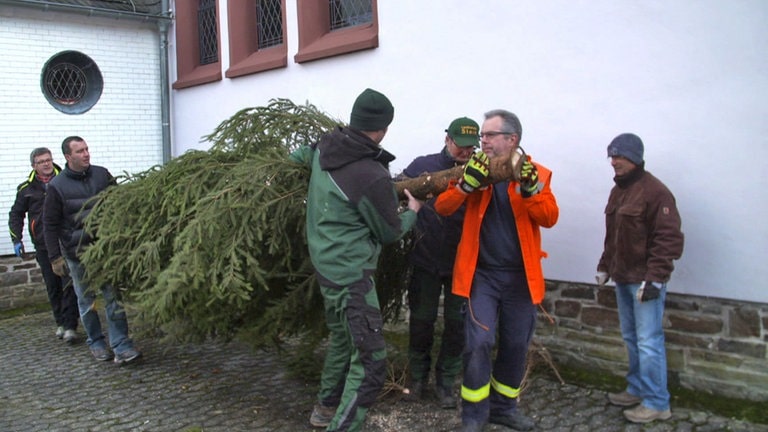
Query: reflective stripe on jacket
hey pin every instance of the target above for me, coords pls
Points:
(539, 210)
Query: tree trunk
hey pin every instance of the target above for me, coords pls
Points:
(428, 185)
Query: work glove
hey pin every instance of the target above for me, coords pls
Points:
(18, 249)
(59, 266)
(475, 172)
(529, 178)
(648, 291)
(601, 278)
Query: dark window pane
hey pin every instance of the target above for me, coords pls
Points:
(349, 13)
(269, 15)
(206, 27)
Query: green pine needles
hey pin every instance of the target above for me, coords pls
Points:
(213, 243)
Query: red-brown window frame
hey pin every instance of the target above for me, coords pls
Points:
(189, 71)
(316, 41)
(245, 57)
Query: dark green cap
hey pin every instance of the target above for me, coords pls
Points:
(465, 132)
(372, 111)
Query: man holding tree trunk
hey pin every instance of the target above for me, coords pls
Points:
(434, 250)
(498, 269)
(352, 210)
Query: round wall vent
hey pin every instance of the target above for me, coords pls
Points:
(71, 82)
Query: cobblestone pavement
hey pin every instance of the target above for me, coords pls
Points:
(47, 385)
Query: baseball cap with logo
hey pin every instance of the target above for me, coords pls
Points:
(465, 132)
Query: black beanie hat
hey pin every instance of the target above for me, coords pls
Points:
(628, 146)
(372, 111)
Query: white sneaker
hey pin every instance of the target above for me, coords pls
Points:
(60, 332)
(70, 336)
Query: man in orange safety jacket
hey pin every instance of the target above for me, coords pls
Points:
(498, 268)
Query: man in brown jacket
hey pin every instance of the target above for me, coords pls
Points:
(642, 238)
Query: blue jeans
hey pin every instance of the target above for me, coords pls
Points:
(117, 323)
(644, 337)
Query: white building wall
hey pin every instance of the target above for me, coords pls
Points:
(689, 77)
(123, 129)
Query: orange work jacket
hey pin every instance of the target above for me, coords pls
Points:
(539, 210)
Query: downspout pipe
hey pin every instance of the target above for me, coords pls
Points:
(165, 88)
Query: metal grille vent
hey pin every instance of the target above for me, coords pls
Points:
(71, 82)
(66, 83)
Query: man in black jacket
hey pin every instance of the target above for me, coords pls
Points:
(30, 196)
(67, 205)
(434, 251)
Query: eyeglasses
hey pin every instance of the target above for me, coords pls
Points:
(492, 134)
(44, 161)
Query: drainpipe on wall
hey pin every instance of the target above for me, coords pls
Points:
(165, 88)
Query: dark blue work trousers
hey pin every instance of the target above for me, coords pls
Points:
(499, 301)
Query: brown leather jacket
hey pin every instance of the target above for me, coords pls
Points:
(642, 230)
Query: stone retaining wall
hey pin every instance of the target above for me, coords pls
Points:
(21, 282)
(715, 345)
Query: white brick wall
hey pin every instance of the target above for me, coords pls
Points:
(123, 129)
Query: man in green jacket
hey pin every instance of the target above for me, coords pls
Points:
(352, 210)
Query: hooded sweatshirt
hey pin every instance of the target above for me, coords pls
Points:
(352, 206)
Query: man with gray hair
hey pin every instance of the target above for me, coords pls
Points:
(30, 196)
(498, 269)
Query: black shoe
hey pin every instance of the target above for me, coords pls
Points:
(445, 397)
(516, 421)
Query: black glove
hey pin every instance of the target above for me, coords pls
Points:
(475, 172)
(18, 249)
(648, 291)
(529, 178)
(59, 267)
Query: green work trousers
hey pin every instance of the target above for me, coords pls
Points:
(424, 292)
(355, 362)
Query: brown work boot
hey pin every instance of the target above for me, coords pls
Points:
(643, 414)
(321, 416)
(624, 399)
